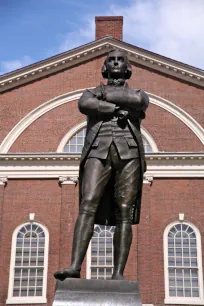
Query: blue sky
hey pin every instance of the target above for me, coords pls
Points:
(33, 30)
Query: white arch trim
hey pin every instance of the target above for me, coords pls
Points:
(184, 300)
(75, 95)
(82, 125)
(35, 299)
(149, 139)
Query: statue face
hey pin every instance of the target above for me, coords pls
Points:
(116, 65)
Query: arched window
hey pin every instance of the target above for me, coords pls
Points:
(28, 268)
(100, 253)
(146, 144)
(75, 144)
(183, 264)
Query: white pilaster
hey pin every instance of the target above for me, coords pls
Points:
(68, 180)
(3, 180)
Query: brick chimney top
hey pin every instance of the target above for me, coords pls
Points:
(109, 25)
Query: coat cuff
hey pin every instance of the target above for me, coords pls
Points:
(106, 107)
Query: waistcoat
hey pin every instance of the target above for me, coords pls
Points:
(112, 131)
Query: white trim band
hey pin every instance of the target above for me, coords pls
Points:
(159, 165)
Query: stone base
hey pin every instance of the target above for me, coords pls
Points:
(78, 292)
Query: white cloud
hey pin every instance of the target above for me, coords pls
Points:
(169, 27)
(81, 36)
(173, 28)
(7, 66)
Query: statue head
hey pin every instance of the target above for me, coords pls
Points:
(116, 66)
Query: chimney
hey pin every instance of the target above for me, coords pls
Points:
(109, 25)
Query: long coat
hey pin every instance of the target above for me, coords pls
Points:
(96, 109)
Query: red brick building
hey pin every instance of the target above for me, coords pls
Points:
(41, 136)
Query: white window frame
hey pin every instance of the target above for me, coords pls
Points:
(183, 300)
(27, 299)
(147, 136)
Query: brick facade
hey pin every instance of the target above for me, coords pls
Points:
(56, 206)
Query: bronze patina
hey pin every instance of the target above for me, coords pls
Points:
(112, 164)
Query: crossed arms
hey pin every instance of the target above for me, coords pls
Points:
(112, 101)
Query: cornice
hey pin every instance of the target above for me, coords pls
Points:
(94, 49)
(45, 157)
(76, 157)
(52, 165)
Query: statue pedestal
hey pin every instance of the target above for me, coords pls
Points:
(78, 292)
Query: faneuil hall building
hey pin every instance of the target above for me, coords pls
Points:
(41, 138)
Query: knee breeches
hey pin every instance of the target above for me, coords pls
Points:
(97, 173)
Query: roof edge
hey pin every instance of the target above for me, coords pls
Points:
(96, 48)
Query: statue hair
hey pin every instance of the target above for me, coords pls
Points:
(129, 67)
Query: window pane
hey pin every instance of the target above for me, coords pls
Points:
(39, 282)
(171, 261)
(23, 292)
(179, 272)
(16, 292)
(180, 292)
(171, 252)
(172, 292)
(195, 293)
(194, 272)
(194, 282)
(94, 273)
(178, 252)
(187, 272)
(187, 292)
(73, 141)
(39, 292)
(186, 262)
(170, 242)
(186, 242)
(31, 292)
(186, 252)
(193, 262)
(193, 252)
(187, 283)
(178, 262)
(172, 282)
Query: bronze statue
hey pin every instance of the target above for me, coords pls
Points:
(112, 164)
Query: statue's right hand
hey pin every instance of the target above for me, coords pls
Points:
(99, 95)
